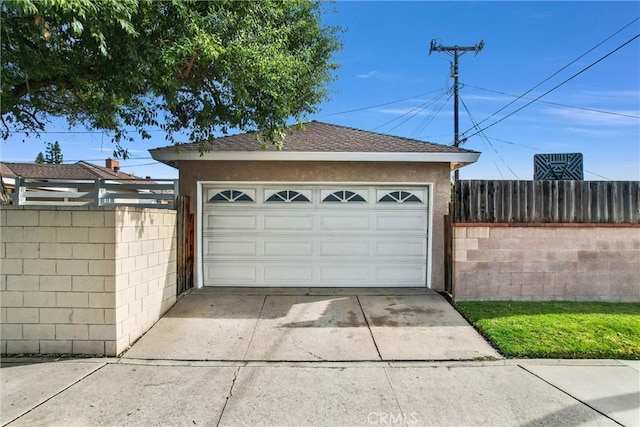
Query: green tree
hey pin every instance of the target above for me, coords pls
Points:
(197, 67)
(53, 153)
(40, 158)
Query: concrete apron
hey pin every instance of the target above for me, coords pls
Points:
(312, 324)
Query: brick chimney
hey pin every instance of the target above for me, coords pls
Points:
(112, 164)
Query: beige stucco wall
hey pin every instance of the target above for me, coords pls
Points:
(569, 262)
(83, 280)
(377, 172)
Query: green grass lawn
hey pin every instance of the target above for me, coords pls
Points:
(558, 329)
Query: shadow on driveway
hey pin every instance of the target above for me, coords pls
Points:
(310, 324)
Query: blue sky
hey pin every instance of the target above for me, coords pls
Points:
(386, 58)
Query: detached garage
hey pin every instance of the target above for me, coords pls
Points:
(336, 207)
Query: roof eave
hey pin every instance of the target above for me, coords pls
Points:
(457, 160)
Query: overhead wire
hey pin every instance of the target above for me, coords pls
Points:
(594, 110)
(431, 116)
(484, 138)
(412, 112)
(384, 104)
(552, 89)
(559, 71)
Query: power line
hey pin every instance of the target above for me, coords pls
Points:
(416, 109)
(594, 110)
(598, 175)
(555, 87)
(483, 135)
(557, 72)
(380, 105)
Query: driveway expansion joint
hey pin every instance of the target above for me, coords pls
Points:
(57, 393)
(570, 395)
(369, 327)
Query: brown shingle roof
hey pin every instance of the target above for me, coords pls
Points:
(76, 171)
(325, 137)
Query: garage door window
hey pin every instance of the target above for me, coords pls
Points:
(344, 196)
(230, 196)
(399, 197)
(287, 196)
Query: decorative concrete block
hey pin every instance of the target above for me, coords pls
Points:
(23, 347)
(12, 234)
(22, 250)
(72, 267)
(72, 235)
(102, 300)
(55, 283)
(101, 268)
(88, 283)
(102, 235)
(478, 232)
(87, 219)
(55, 251)
(39, 234)
(40, 267)
(39, 332)
(92, 251)
(72, 299)
(56, 315)
(23, 315)
(39, 299)
(88, 347)
(11, 332)
(109, 251)
(88, 316)
(55, 218)
(11, 299)
(72, 332)
(102, 332)
(10, 266)
(22, 218)
(55, 347)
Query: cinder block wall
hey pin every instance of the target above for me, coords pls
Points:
(64, 286)
(573, 262)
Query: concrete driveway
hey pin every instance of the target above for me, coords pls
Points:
(312, 324)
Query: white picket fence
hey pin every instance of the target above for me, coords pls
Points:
(156, 193)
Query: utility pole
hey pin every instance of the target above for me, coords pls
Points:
(455, 51)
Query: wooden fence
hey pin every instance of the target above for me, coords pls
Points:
(185, 252)
(613, 202)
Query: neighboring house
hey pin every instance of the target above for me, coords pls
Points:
(335, 207)
(71, 176)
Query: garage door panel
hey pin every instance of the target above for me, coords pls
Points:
(401, 248)
(288, 222)
(231, 247)
(344, 273)
(231, 222)
(405, 222)
(344, 249)
(408, 273)
(230, 273)
(332, 222)
(291, 248)
(288, 273)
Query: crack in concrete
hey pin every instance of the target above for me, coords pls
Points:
(226, 401)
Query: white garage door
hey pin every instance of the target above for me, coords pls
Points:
(314, 236)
